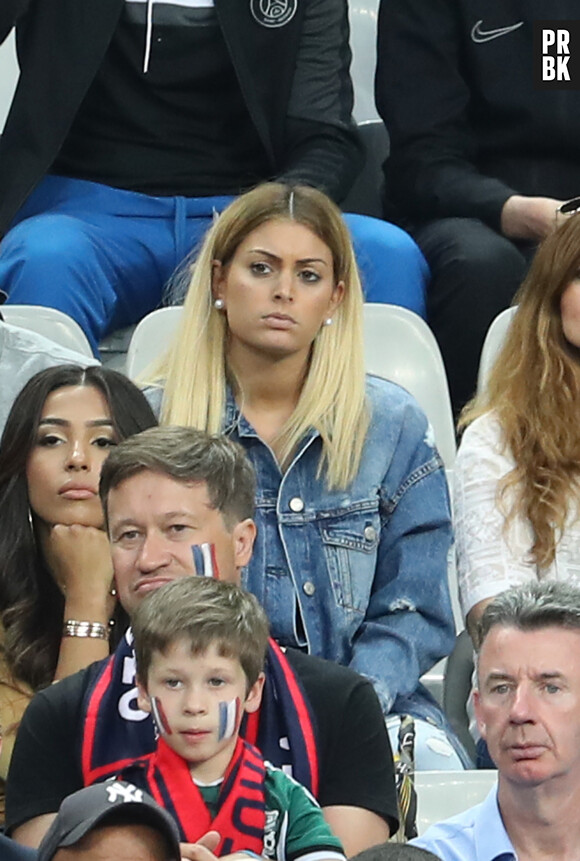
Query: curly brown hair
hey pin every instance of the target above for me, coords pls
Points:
(534, 389)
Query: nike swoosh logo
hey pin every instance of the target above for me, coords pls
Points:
(478, 35)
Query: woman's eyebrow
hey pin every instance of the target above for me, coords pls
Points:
(273, 256)
(54, 420)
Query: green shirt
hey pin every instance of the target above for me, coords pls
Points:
(295, 827)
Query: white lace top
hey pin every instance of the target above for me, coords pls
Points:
(489, 559)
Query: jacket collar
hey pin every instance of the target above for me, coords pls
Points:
(234, 420)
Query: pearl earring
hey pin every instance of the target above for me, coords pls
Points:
(219, 304)
(328, 321)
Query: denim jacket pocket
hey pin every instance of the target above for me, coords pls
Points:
(350, 548)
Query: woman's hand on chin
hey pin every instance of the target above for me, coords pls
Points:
(80, 560)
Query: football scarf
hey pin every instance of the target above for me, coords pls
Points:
(284, 718)
(116, 731)
(241, 815)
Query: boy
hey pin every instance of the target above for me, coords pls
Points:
(200, 645)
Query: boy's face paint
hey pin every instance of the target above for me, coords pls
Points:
(159, 716)
(205, 560)
(229, 718)
(204, 697)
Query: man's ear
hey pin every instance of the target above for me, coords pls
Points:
(143, 700)
(244, 535)
(478, 714)
(254, 698)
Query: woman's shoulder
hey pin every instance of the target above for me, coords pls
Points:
(485, 432)
(483, 452)
(398, 430)
(392, 407)
(389, 397)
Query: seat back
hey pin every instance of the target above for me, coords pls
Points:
(363, 16)
(400, 346)
(492, 345)
(50, 323)
(152, 336)
(441, 794)
(365, 196)
(8, 76)
(457, 689)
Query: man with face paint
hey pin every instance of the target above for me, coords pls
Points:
(179, 502)
(200, 647)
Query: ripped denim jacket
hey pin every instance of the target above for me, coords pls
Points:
(358, 576)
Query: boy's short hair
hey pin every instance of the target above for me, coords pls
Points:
(205, 612)
(187, 455)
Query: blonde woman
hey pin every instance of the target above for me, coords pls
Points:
(352, 511)
(518, 467)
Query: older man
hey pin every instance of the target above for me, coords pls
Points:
(166, 493)
(527, 706)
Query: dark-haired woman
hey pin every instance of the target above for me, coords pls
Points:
(57, 602)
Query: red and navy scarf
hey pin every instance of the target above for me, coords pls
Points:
(241, 814)
(116, 731)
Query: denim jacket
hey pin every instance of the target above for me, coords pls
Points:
(358, 576)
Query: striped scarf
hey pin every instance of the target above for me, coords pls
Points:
(116, 732)
(241, 815)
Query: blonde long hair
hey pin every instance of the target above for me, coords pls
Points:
(194, 371)
(534, 388)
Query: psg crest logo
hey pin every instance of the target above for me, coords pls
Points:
(273, 13)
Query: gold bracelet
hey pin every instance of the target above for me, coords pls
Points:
(94, 630)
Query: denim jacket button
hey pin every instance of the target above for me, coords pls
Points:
(370, 533)
(297, 504)
(309, 588)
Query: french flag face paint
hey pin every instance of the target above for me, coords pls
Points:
(204, 560)
(159, 716)
(229, 718)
